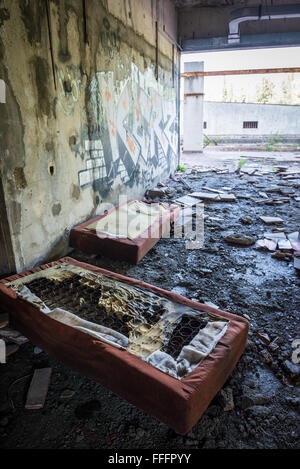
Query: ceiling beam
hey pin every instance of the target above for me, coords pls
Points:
(252, 71)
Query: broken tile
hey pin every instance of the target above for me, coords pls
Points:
(217, 191)
(297, 262)
(295, 236)
(187, 200)
(266, 244)
(295, 245)
(264, 195)
(272, 220)
(204, 195)
(226, 197)
(284, 245)
(38, 388)
(277, 235)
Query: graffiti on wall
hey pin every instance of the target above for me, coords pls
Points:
(69, 88)
(135, 135)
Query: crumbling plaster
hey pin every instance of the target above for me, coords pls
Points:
(89, 113)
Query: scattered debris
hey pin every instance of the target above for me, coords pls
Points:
(184, 183)
(187, 200)
(285, 256)
(67, 394)
(284, 245)
(4, 319)
(266, 244)
(267, 357)
(276, 235)
(240, 239)
(297, 260)
(263, 336)
(227, 399)
(10, 335)
(214, 197)
(38, 388)
(156, 193)
(246, 220)
(88, 409)
(204, 195)
(272, 220)
(10, 349)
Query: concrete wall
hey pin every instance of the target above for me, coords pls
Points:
(227, 119)
(90, 111)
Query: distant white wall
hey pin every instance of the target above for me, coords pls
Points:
(228, 118)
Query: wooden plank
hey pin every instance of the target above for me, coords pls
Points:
(253, 71)
(38, 388)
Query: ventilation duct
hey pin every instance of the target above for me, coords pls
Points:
(256, 14)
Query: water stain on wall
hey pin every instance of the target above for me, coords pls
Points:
(42, 73)
(19, 177)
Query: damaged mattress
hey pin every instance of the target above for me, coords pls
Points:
(162, 352)
(125, 232)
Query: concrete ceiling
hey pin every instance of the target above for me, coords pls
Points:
(209, 3)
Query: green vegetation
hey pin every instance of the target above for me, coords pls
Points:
(181, 168)
(273, 140)
(242, 161)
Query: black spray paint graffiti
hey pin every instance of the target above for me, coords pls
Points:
(110, 40)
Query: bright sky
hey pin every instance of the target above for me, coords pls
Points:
(243, 85)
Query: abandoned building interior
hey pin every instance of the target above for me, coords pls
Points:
(149, 239)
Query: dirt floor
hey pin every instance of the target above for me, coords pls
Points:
(79, 413)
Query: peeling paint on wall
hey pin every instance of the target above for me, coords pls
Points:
(85, 116)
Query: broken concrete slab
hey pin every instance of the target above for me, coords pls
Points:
(187, 200)
(295, 236)
(275, 235)
(226, 197)
(284, 245)
(240, 239)
(266, 244)
(271, 220)
(204, 195)
(210, 189)
(297, 260)
(38, 388)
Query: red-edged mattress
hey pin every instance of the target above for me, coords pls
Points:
(132, 251)
(177, 402)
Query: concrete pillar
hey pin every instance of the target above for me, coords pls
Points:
(193, 108)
